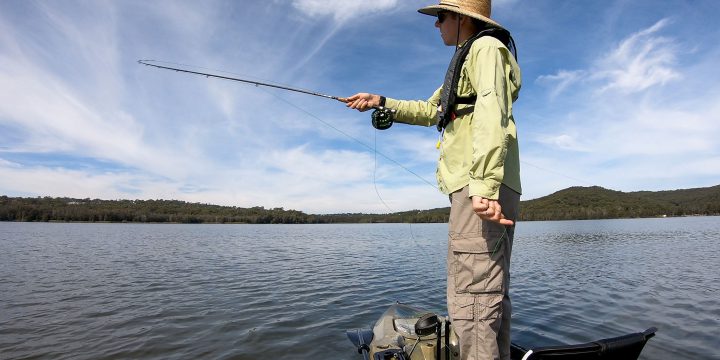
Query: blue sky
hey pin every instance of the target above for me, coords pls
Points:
(623, 94)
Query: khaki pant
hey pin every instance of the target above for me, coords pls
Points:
(478, 266)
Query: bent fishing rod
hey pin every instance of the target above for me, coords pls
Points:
(382, 117)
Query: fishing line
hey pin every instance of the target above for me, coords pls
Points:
(154, 63)
(360, 142)
(423, 249)
(375, 172)
(375, 152)
(557, 173)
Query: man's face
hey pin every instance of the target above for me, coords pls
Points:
(447, 22)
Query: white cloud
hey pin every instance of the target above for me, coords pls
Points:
(343, 10)
(8, 164)
(302, 164)
(325, 182)
(563, 141)
(56, 118)
(639, 62)
(60, 182)
(661, 129)
(562, 80)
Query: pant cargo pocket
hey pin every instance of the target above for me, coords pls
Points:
(477, 262)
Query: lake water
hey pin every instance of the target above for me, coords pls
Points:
(135, 291)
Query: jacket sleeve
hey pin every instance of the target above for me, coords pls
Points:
(489, 76)
(416, 112)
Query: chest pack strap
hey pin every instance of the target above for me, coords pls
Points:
(448, 97)
(465, 100)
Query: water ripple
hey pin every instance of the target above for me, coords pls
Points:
(119, 291)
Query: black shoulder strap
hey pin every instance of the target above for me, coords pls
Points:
(449, 98)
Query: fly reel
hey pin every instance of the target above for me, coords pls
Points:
(382, 118)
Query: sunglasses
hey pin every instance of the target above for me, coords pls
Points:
(442, 15)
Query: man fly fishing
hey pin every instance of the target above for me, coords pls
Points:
(478, 167)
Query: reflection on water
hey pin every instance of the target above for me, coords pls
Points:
(110, 291)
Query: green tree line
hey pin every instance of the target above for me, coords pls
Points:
(174, 211)
(569, 204)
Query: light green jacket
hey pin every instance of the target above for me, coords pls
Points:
(479, 148)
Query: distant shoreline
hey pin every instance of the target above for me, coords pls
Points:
(575, 203)
(317, 223)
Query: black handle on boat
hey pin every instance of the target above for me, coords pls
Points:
(438, 340)
(361, 339)
(447, 338)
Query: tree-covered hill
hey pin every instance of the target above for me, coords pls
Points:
(598, 203)
(568, 204)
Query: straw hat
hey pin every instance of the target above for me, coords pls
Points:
(477, 9)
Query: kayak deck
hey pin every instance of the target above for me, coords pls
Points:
(407, 333)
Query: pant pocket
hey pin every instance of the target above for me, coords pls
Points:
(476, 307)
(489, 306)
(477, 263)
(462, 307)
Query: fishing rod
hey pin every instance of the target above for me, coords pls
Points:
(382, 117)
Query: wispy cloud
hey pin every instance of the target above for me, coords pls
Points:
(562, 80)
(564, 142)
(342, 10)
(640, 61)
(62, 115)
